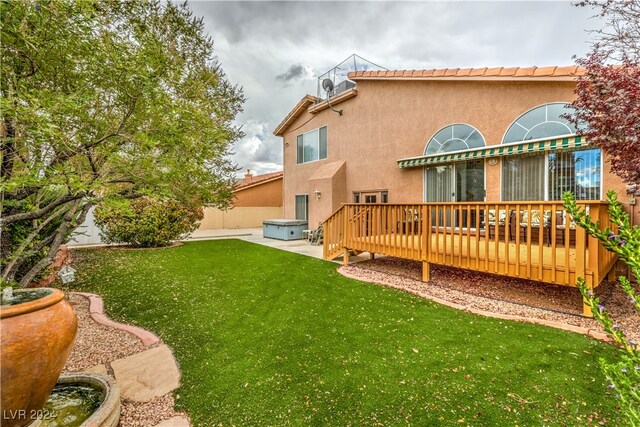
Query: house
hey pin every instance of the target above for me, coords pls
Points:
(463, 167)
(255, 198)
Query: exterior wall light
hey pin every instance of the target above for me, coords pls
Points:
(318, 194)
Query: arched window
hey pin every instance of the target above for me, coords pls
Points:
(545, 121)
(454, 138)
(547, 175)
(461, 181)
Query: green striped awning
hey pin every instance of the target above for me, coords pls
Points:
(568, 143)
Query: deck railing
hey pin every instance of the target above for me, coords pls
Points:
(529, 240)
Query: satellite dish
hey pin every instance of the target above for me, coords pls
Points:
(327, 85)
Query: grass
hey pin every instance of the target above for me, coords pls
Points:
(267, 337)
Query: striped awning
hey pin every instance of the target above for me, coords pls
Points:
(567, 143)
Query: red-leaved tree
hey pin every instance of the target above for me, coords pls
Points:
(608, 94)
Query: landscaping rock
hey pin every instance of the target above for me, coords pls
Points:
(98, 369)
(95, 343)
(500, 297)
(175, 422)
(147, 375)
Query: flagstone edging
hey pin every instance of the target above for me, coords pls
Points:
(96, 311)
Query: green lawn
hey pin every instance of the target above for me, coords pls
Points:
(267, 337)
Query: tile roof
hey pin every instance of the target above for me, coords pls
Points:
(335, 100)
(258, 179)
(566, 72)
(300, 108)
(314, 105)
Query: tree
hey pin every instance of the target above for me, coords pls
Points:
(608, 94)
(104, 99)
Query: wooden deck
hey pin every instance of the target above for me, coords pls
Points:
(535, 241)
(471, 253)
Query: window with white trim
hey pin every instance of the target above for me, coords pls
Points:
(544, 121)
(454, 138)
(312, 145)
(460, 181)
(547, 176)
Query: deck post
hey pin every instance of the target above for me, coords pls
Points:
(612, 276)
(345, 256)
(426, 271)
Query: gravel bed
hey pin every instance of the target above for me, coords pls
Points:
(98, 344)
(144, 414)
(498, 294)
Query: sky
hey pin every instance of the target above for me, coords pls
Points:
(275, 51)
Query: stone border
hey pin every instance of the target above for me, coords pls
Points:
(593, 333)
(96, 311)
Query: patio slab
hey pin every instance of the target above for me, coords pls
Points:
(223, 233)
(254, 235)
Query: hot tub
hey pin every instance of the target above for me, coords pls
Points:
(283, 229)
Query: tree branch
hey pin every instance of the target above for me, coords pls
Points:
(61, 234)
(18, 254)
(40, 212)
(11, 276)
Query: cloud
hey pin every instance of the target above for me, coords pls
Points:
(274, 50)
(296, 72)
(259, 150)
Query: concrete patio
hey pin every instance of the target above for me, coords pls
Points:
(254, 235)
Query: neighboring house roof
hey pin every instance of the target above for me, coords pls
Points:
(252, 181)
(498, 73)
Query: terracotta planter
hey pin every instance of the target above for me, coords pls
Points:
(36, 339)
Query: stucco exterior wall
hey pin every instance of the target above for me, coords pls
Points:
(263, 194)
(238, 217)
(251, 205)
(330, 181)
(389, 120)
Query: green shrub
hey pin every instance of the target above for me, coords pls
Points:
(146, 222)
(623, 375)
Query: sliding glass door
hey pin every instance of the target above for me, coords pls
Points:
(439, 184)
(523, 178)
(548, 176)
(469, 181)
(458, 182)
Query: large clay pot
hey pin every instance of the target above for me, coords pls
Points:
(36, 338)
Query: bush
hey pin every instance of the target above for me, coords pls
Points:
(623, 375)
(146, 222)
